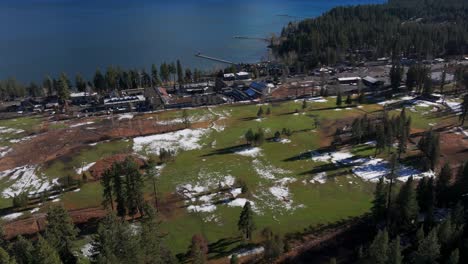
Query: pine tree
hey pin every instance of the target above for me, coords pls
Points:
(249, 136)
(380, 139)
(268, 111)
(234, 259)
(304, 105)
(180, 73)
(116, 242)
(443, 186)
(246, 223)
(379, 204)
(60, 231)
(119, 190)
(63, 91)
(198, 249)
(339, 100)
(106, 182)
(45, 253)
(428, 250)
(260, 112)
(133, 187)
(454, 257)
(411, 78)
(394, 252)
(348, 100)
(407, 205)
(99, 82)
(378, 250)
(22, 249)
(5, 257)
(154, 75)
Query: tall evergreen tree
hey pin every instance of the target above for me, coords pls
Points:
(45, 253)
(198, 249)
(180, 73)
(406, 205)
(60, 232)
(428, 250)
(154, 75)
(339, 99)
(379, 204)
(394, 252)
(22, 249)
(443, 185)
(246, 223)
(378, 250)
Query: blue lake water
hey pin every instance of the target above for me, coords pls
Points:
(39, 37)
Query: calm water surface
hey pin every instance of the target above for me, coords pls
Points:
(39, 37)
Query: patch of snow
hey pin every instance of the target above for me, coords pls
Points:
(267, 171)
(248, 252)
(4, 151)
(12, 216)
(77, 190)
(25, 179)
(7, 130)
(34, 210)
(240, 202)
(81, 124)
(125, 116)
(250, 152)
(338, 109)
(87, 250)
(85, 168)
(187, 139)
(206, 208)
(285, 141)
(320, 177)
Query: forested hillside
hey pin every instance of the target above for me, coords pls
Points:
(414, 28)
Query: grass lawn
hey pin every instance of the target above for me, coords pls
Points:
(278, 167)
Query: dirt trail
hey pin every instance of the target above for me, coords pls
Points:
(51, 144)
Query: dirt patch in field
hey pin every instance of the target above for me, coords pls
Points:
(37, 223)
(102, 165)
(52, 144)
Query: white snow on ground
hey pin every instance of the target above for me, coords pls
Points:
(187, 139)
(285, 141)
(248, 252)
(320, 177)
(81, 124)
(240, 202)
(6, 130)
(209, 183)
(318, 99)
(125, 116)
(24, 179)
(4, 151)
(18, 140)
(12, 216)
(34, 210)
(206, 208)
(336, 157)
(87, 250)
(338, 109)
(85, 168)
(250, 152)
(258, 120)
(455, 106)
(267, 171)
(370, 169)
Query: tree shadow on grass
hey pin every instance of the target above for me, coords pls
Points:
(224, 247)
(228, 150)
